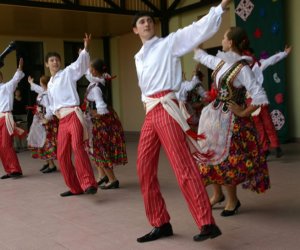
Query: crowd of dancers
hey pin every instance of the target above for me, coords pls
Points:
(210, 137)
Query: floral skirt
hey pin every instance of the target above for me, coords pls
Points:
(108, 147)
(246, 162)
(48, 151)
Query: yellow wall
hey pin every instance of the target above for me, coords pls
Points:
(293, 61)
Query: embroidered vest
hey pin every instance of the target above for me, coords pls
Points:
(226, 91)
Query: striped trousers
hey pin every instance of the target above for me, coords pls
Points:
(70, 137)
(8, 155)
(160, 128)
(266, 129)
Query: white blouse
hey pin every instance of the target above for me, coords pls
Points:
(158, 61)
(42, 98)
(265, 63)
(62, 90)
(95, 94)
(7, 92)
(187, 86)
(245, 77)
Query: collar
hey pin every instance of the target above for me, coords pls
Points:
(145, 46)
(232, 57)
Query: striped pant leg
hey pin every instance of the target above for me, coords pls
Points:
(187, 173)
(83, 165)
(64, 157)
(259, 125)
(147, 165)
(7, 153)
(269, 127)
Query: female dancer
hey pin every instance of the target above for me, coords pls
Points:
(262, 118)
(106, 145)
(42, 138)
(228, 126)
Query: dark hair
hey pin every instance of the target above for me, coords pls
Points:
(140, 14)
(239, 38)
(44, 79)
(98, 65)
(52, 54)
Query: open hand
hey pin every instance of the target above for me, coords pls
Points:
(30, 80)
(21, 64)
(236, 109)
(87, 39)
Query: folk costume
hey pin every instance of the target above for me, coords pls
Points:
(238, 156)
(106, 145)
(159, 75)
(42, 137)
(8, 155)
(72, 132)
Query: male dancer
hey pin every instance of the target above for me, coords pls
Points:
(159, 74)
(64, 103)
(8, 155)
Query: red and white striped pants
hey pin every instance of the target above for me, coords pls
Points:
(8, 155)
(160, 128)
(266, 129)
(70, 137)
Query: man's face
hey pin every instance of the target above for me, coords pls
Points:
(144, 28)
(53, 64)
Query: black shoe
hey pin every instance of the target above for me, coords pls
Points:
(6, 176)
(208, 231)
(102, 180)
(157, 232)
(49, 170)
(226, 213)
(91, 190)
(16, 175)
(267, 153)
(113, 185)
(219, 201)
(68, 193)
(279, 152)
(44, 167)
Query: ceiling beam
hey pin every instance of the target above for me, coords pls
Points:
(194, 6)
(151, 5)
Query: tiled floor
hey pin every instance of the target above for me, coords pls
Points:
(34, 216)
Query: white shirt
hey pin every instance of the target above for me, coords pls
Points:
(42, 99)
(244, 78)
(62, 86)
(7, 92)
(265, 63)
(158, 61)
(95, 93)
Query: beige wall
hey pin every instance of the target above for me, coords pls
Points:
(293, 62)
(126, 93)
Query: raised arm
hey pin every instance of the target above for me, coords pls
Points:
(35, 87)
(207, 60)
(275, 58)
(185, 40)
(81, 65)
(13, 83)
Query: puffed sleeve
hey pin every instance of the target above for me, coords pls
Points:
(78, 68)
(186, 39)
(207, 60)
(247, 78)
(264, 63)
(100, 104)
(185, 87)
(36, 88)
(13, 83)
